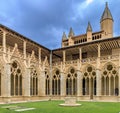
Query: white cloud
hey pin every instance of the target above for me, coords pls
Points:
(84, 4)
(80, 9)
(88, 2)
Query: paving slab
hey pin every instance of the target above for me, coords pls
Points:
(25, 109)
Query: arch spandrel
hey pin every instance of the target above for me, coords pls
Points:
(88, 65)
(69, 68)
(56, 69)
(108, 63)
(47, 70)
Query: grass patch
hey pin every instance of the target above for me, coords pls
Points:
(53, 107)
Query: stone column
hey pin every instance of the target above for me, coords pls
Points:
(79, 83)
(98, 74)
(63, 84)
(98, 79)
(51, 73)
(79, 74)
(24, 49)
(39, 51)
(90, 89)
(4, 42)
(6, 83)
(41, 84)
(80, 54)
(64, 56)
(27, 82)
(119, 74)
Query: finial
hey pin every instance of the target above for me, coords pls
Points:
(71, 33)
(89, 28)
(64, 37)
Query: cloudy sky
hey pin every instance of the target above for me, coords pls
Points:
(44, 21)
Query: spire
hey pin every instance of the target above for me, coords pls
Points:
(71, 33)
(64, 37)
(89, 28)
(106, 14)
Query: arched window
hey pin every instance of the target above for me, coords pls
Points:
(93, 38)
(56, 83)
(82, 40)
(110, 80)
(33, 82)
(0, 82)
(16, 79)
(47, 83)
(71, 82)
(98, 37)
(89, 81)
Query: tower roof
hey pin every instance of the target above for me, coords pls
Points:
(71, 33)
(89, 28)
(106, 14)
(64, 37)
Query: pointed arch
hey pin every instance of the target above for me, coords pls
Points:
(47, 82)
(89, 80)
(110, 81)
(71, 81)
(33, 81)
(56, 82)
(16, 79)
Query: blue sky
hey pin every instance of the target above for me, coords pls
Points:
(44, 21)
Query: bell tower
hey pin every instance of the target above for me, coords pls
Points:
(106, 23)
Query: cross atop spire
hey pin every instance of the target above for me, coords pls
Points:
(106, 14)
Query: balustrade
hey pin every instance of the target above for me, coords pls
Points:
(89, 60)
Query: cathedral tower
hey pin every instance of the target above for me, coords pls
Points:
(107, 23)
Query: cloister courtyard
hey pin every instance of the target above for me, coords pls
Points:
(54, 107)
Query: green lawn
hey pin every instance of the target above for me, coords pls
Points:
(53, 107)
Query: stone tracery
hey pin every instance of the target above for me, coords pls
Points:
(47, 83)
(110, 80)
(89, 81)
(16, 79)
(56, 82)
(33, 82)
(71, 82)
